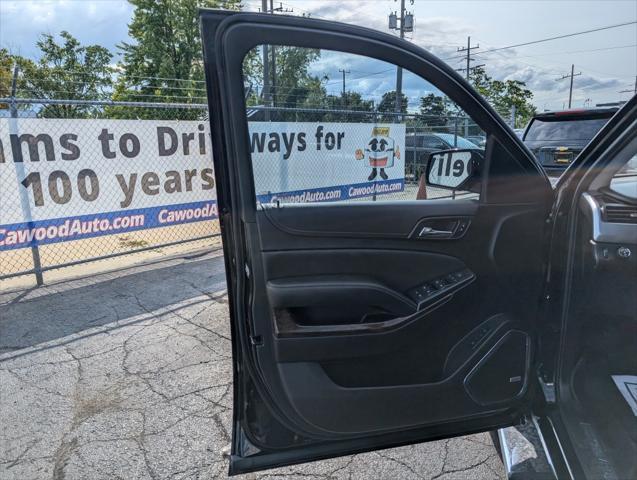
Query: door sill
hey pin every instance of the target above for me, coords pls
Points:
(523, 454)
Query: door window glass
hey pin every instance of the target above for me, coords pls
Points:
(625, 180)
(328, 126)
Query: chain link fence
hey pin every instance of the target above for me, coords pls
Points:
(100, 168)
(77, 159)
(380, 155)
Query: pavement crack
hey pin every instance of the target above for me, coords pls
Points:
(62, 456)
(141, 443)
(220, 425)
(463, 469)
(400, 462)
(16, 461)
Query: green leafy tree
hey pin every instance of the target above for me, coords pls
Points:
(388, 104)
(164, 62)
(503, 95)
(481, 81)
(292, 84)
(66, 70)
(355, 101)
(433, 110)
(351, 101)
(512, 93)
(6, 73)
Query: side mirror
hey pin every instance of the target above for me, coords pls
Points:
(454, 169)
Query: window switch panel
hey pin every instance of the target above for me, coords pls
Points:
(439, 287)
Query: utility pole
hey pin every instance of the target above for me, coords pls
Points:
(468, 49)
(468, 68)
(343, 71)
(399, 70)
(406, 25)
(273, 85)
(266, 69)
(269, 61)
(467, 71)
(633, 91)
(570, 91)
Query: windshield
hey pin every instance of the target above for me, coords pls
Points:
(572, 129)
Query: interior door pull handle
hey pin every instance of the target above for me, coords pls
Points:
(426, 231)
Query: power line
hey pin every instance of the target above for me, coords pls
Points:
(634, 90)
(577, 51)
(606, 73)
(119, 72)
(559, 72)
(548, 39)
(309, 14)
(560, 37)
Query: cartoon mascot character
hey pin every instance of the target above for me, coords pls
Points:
(380, 151)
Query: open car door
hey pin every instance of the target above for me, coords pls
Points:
(363, 318)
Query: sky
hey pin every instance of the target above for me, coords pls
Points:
(606, 59)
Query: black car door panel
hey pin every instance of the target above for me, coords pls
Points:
(357, 220)
(404, 406)
(359, 350)
(360, 325)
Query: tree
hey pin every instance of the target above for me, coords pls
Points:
(66, 71)
(433, 110)
(388, 104)
(163, 63)
(502, 95)
(294, 86)
(351, 101)
(481, 81)
(354, 101)
(6, 73)
(512, 93)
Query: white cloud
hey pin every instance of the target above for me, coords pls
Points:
(92, 22)
(440, 28)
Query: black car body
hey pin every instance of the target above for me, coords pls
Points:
(479, 140)
(358, 326)
(556, 138)
(419, 146)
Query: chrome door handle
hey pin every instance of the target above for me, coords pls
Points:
(428, 231)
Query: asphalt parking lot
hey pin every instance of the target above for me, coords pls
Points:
(127, 375)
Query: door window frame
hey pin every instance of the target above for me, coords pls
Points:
(254, 30)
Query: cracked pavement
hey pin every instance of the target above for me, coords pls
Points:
(128, 375)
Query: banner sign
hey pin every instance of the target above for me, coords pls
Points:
(318, 162)
(67, 179)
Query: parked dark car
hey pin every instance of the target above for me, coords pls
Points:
(556, 138)
(419, 146)
(359, 326)
(479, 140)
